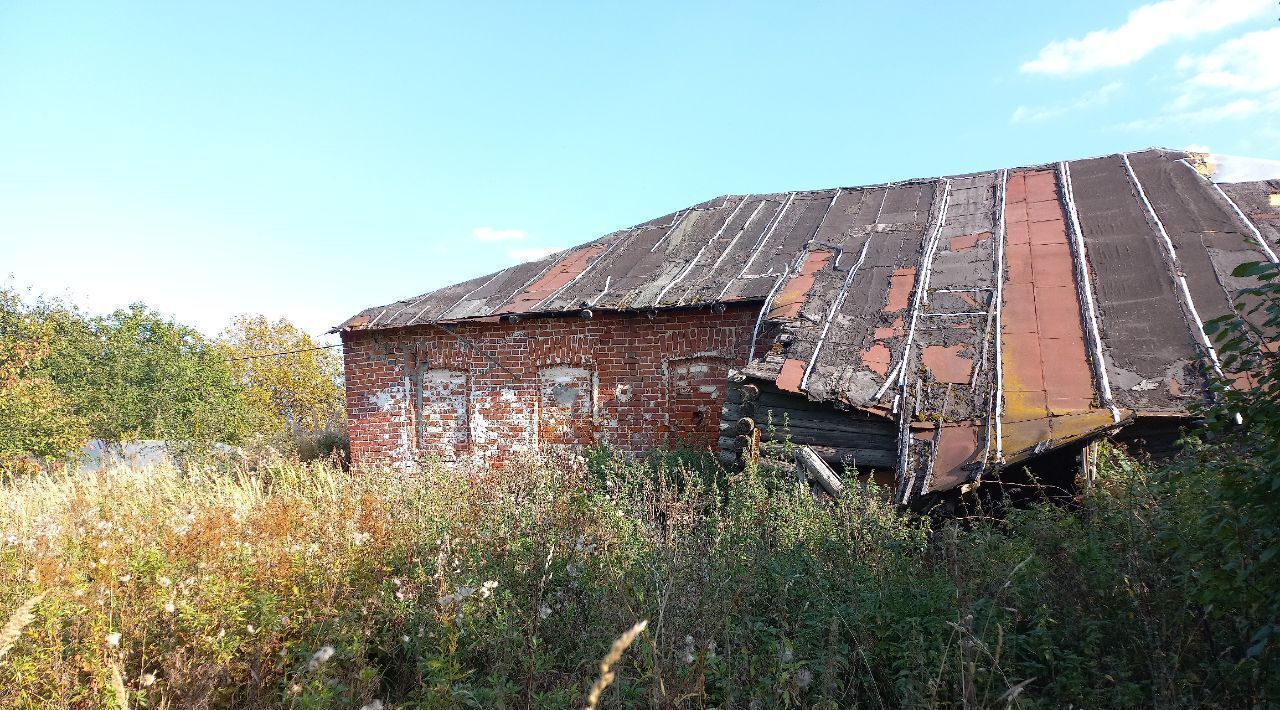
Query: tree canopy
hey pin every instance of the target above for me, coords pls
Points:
(290, 384)
(36, 418)
(67, 377)
(135, 374)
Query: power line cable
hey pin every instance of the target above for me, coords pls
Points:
(286, 352)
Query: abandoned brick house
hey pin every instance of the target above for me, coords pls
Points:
(942, 329)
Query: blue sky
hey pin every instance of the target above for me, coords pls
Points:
(311, 159)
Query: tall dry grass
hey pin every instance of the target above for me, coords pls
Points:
(19, 620)
(204, 588)
(304, 586)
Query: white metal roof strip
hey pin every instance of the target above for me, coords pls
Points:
(925, 264)
(725, 252)
(460, 300)
(998, 407)
(594, 262)
(551, 264)
(670, 229)
(764, 308)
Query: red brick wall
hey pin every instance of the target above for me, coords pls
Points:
(627, 380)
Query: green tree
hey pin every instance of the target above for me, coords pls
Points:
(135, 374)
(36, 419)
(292, 385)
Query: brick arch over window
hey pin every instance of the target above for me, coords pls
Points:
(695, 392)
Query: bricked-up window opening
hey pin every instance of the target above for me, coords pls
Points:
(696, 391)
(566, 407)
(442, 408)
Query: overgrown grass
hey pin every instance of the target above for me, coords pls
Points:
(308, 587)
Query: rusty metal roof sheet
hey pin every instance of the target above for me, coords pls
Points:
(992, 314)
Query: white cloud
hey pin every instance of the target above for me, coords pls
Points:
(1240, 108)
(1231, 110)
(1147, 28)
(1027, 114)
(1247, 64)
(530, 254)
(1197, 148)
(489, 234)
(1238, 79)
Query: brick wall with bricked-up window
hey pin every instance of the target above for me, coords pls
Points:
(630, 381)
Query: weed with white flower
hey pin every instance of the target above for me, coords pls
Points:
(320, 657)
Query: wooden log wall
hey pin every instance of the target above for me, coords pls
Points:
(758, 410)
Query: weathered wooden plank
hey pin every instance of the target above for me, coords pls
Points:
(831, 438)
(836, 422)
(810, 462)
(873, 458)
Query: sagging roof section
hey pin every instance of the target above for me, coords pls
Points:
(992, 316)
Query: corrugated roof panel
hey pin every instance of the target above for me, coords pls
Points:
(718, 266)
(868, 327)
(1048, 383)
(679, 252)
(1150, 352)
(1257, 206)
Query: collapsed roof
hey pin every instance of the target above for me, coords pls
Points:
(1010, 310)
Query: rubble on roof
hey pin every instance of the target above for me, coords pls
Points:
(1235, 168)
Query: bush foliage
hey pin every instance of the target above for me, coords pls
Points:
(1244, 422)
